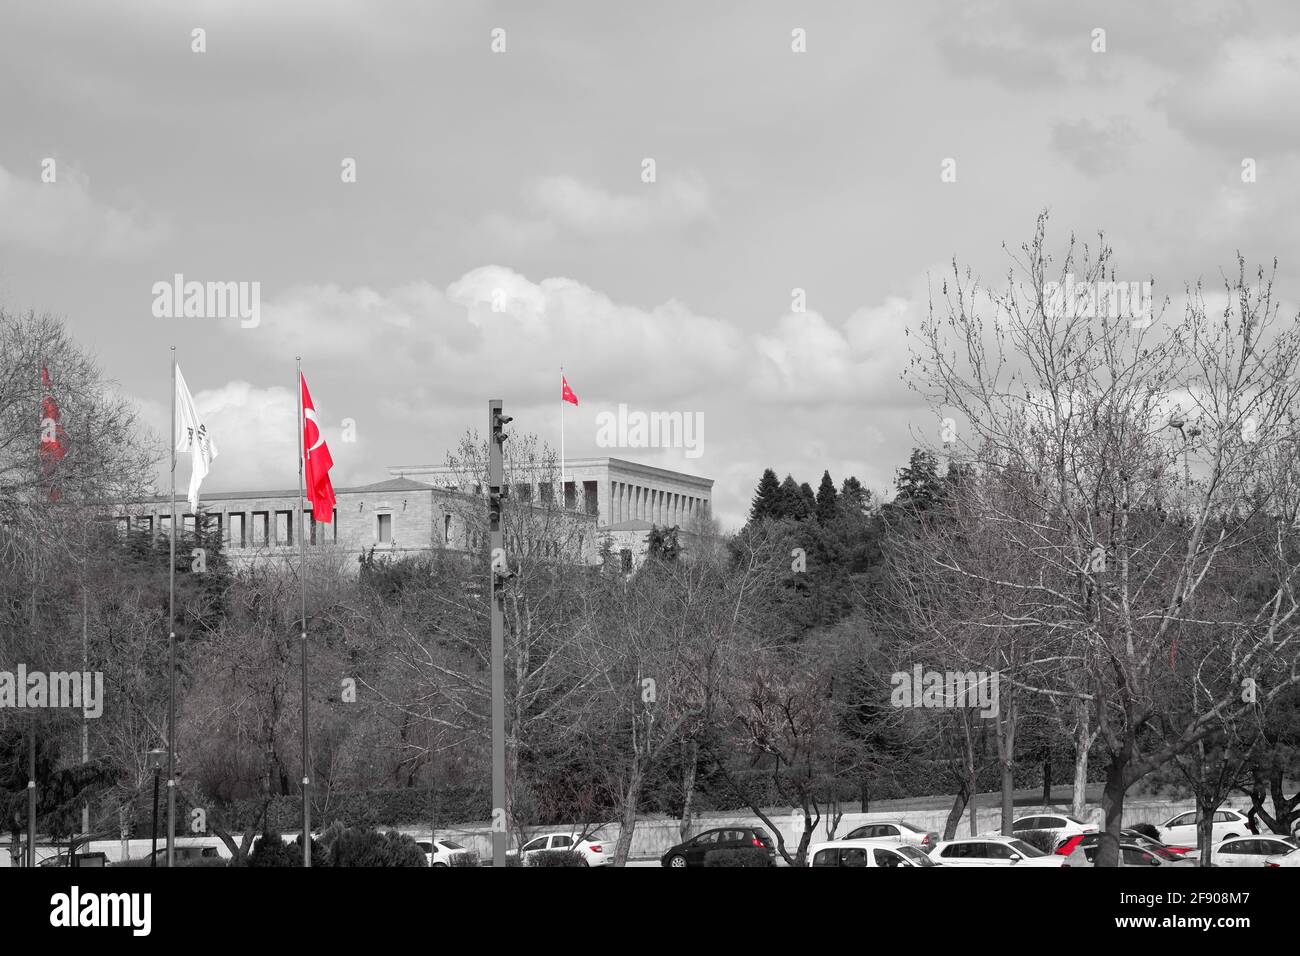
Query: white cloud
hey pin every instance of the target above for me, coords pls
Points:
(62, 218)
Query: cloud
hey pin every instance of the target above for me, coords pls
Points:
(62, 218)
(1237, 102)
(567, 206)
(1094, 148)
(413, 365)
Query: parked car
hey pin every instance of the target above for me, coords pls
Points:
(79, 859)
(898, 830)
(1135, 837)
(1248, 850)
(594, 852)
(1057, 824)
(994, 851)
(692, 851)
(1135, 854)
(1283, 860)
(1180, 830)
(867, 853)
(441, 852)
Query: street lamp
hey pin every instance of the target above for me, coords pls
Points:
(155, 760)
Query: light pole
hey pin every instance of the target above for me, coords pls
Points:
(499, 572)
(155, 763)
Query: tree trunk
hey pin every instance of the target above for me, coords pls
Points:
(1112, 805)
(688, 787)
(972, 785)
(1204, 831)
(1082, 742)
(954, 815)
(1047, 782)
(627, 821)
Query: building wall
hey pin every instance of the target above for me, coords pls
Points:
(623, 490)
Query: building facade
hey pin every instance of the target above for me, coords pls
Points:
(422, 509)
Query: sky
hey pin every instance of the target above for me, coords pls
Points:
(502, 222)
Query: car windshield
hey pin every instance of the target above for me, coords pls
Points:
(451, 846)
(1024, 849)
(915, 856)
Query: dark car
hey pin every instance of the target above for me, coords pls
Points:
(691, 853)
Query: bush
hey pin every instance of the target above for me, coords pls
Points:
(203, 862)
(745, 856)
(1044, 840)
(270, 850)
(1146, 829)
(363, 847)
(468, 858)
(557, 858)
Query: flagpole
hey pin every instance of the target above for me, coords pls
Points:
(302, 575)
(171, 645)
(562, 488)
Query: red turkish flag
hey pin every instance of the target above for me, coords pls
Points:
(52, 434)
(566, 393)
(317, 461)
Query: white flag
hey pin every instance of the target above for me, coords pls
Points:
(192, 436)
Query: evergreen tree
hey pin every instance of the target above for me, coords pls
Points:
(919, 486)
(827, 500)
(766, 497)
(791, 502)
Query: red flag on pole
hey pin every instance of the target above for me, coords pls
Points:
(317, 461)
(52, 434)
(566, 393)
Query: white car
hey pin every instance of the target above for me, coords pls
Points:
(1247, 850)
(899, 831)
(867, 853)
(1181, 829)
(441, 852)
(994, 851)
(1058, 824)
(594, 852)
(1283, 860)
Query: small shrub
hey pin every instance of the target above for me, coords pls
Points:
(1044, 840)
(270, 850)
(468, 858)
(203, 862)
(362, 847)
(744, 856)
(557, 858)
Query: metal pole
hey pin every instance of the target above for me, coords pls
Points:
(31, 796)
(85, 666)
(171, 644)
(495, 489)
(153, 855)
(302, 574)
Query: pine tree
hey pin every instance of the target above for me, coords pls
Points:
(827, 500)
(766, 497)
(791, 502)
(918, 484)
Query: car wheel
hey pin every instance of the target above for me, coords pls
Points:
(678, 860)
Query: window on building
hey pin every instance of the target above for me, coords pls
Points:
(187, 524)
(546, 493)
(626, 557)
(261, 529)
(122, 524)
(589, 497)
(284, 527)
(446, 529)
(165, 525)
(570, 496)
(384, 531)
(238, 532)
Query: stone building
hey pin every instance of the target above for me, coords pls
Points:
(422, 509)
